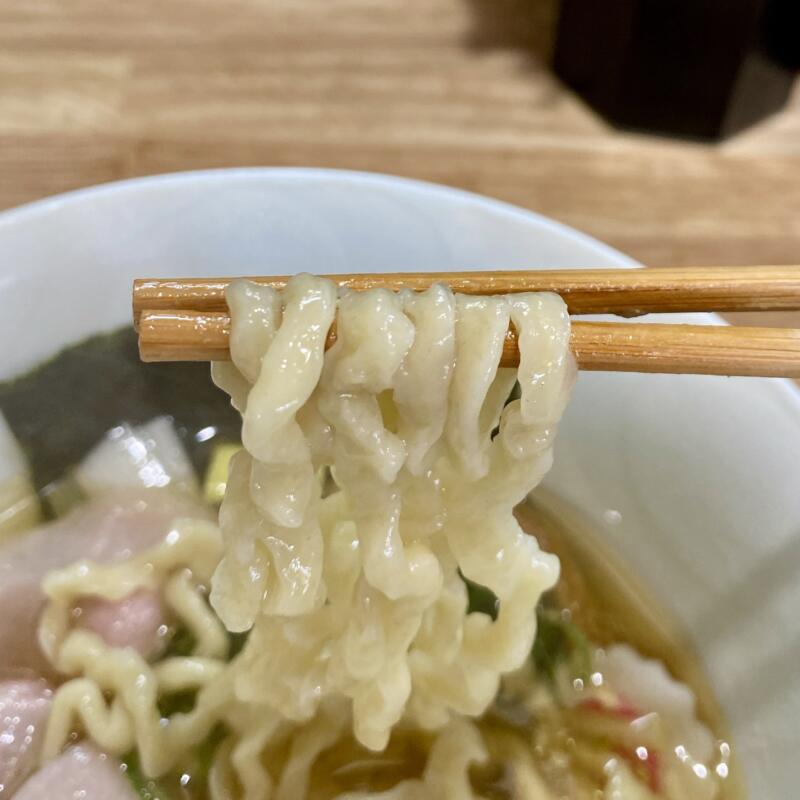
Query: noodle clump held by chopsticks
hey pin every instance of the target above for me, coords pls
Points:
(373, 480)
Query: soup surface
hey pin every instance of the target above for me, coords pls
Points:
(611, 686)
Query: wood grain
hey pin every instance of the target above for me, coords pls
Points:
(183, 335)
(586, 291)
(456, 91)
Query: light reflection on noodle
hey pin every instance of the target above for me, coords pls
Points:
(356, 610)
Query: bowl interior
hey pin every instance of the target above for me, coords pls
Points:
(693, 479)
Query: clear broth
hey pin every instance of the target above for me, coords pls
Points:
(612, 605)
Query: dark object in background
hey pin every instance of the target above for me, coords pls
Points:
(697, 68)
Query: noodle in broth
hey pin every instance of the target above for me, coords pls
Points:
(363, 621)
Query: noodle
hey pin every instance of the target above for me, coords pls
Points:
(131, 717)
(353, 598)
(414, 505)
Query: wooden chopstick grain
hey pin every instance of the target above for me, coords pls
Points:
(184, 335)
(627, 292)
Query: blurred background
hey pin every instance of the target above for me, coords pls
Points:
(460, 92)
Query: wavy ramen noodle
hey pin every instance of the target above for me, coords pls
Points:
(374, 479)
(357, 594)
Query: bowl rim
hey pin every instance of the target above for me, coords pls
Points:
(48, 204)
(51, 203)
(21, 213)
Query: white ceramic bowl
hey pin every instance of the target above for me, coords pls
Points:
(705, 472)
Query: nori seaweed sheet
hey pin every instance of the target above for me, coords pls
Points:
(60, 409)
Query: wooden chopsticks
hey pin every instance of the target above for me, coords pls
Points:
(187, 319)
(627, 292)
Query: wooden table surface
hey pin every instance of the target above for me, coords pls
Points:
(455, 91)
